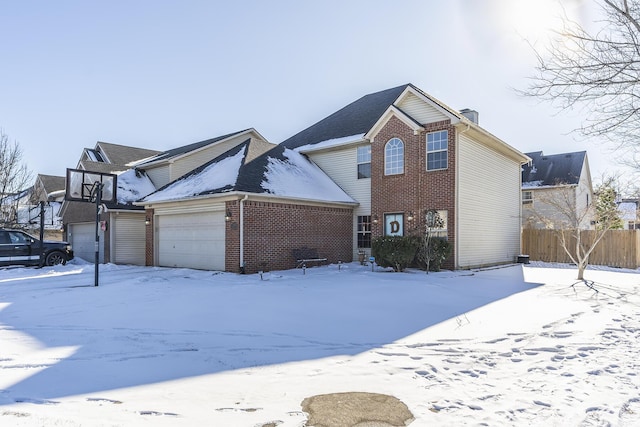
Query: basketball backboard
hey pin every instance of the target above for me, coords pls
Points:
(81, 186)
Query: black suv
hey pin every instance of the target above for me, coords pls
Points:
(17, 247)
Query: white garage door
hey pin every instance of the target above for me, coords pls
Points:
(82, 237)
(128, 245)
(193, 240)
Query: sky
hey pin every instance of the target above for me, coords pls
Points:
(162, 74)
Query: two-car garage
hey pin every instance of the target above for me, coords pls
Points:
(190, 239)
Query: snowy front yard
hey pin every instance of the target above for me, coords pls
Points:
(173, 347)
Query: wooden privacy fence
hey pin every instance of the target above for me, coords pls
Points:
(618, 248)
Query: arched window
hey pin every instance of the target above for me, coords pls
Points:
(394, 157)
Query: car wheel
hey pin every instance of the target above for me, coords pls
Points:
(55, 258)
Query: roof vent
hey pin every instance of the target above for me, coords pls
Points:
(470, 114)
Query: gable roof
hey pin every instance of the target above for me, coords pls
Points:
(354, 119)
(280, 172)
(52, 183)
(185, 149)
(554, 169)
(123, 154)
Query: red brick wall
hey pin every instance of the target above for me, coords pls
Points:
(416, 190)
(273, 230)
(149, 252)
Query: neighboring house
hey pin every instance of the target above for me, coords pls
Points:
(122, 226)
(372, 168)
(629, 214)
(50, 190)
(140, 172)
(549, 179)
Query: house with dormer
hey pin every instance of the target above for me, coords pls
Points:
(79, 218)
(372, 168)
(553, 184)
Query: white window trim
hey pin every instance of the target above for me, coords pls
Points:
(386, 165)
(426, 141)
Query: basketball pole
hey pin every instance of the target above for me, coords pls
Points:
(98, 190)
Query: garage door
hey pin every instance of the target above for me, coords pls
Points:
(82, 237)
(193, 240)
(128, 245)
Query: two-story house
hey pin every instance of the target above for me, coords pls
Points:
(372, 168)
(557, 189)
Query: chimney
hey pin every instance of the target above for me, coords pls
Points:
(470, 114)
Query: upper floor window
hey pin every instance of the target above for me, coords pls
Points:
(94, 155)
(364, 162)
(394, 157)
(437, 145)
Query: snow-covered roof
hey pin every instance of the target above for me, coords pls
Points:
(220, 174)
(132, 186)
(296, 176)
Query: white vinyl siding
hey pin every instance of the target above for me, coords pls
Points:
(128, 238)
(341, 166)
(191, 240)
(420, 110)
(160, 176)
(82, 237)
(488, 214)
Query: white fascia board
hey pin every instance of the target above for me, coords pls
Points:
(392, 111)
(236, 195)
(332, 143)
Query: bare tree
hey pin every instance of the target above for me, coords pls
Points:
(598, 72)
(557, 211)
(15, 178)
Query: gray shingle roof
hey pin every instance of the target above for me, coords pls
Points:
(123, 154)
(353, 119)
(554, 169)
(188, 148)
(356, 118)
(52, 183)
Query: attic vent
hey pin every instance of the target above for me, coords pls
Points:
(470, 114)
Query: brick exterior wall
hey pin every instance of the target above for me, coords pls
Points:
(416, 190)
(273, 230)
(149, 250)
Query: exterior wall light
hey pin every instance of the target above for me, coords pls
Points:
(410, 216)
(228, 216)
(147, 221)
(375, 219)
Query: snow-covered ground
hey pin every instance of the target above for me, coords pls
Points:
(518, 345)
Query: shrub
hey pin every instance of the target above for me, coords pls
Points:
(397, 252)
(433, 252)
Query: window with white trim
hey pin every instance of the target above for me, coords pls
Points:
(394, 224)
(527, 197)
(364, 231)
(364, 162)
(436, 221)
(437, 149)
(394, 157)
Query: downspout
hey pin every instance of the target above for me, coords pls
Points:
(242, 264)
(456, 249)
